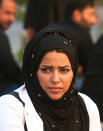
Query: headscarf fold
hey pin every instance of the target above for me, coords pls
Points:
(69, 112)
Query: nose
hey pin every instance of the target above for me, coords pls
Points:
(12, 18)
(55, 77)
(95, 20)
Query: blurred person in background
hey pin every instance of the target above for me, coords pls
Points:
(79, 18)
(40, 13)
(93, 83)
(10, 73)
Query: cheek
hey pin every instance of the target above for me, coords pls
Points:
(68, 80)
(43, 80)
(5, 18)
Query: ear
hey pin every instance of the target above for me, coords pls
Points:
(76, 17)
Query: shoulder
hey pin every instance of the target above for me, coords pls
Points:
(94, 118)
(11, 113)
(30, 111)
(10, 101)
(89, 102)
(77, 32)
(4, 41)
(91, 107)
(2, 35)
(10, 105)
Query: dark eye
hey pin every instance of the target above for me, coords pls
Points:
(45, 70)
(64, 70)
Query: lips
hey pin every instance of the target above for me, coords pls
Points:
(55, 89)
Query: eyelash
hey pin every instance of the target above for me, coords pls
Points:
(65, 70)
(48, 70)
(45, 69)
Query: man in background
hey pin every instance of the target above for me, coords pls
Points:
(10, 73)
(79, 18)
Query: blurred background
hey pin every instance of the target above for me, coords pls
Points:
(17, 33)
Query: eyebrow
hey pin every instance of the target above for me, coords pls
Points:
(64, 66)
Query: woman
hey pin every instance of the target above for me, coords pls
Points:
(49, 101)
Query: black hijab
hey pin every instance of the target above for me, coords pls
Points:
(67, 113)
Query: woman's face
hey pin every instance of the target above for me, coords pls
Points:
(55, 74)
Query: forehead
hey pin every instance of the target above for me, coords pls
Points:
(88, 9)
(55, 58)
(8, 4)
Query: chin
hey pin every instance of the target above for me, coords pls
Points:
(55, 97)
(6, 27)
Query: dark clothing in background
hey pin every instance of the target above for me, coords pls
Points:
(40, 13)
(93, 84)
(9, 71)
(82, 38)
